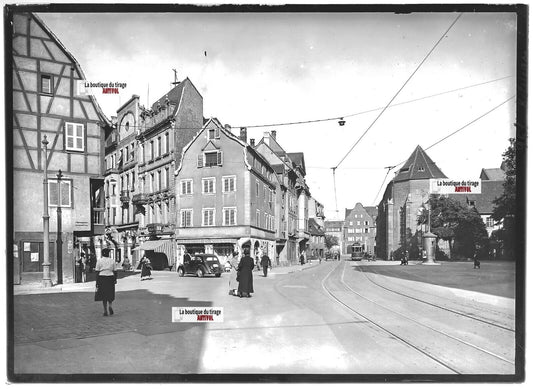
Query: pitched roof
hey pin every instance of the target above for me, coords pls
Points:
(419, 167)
(298, 159)
(372, 211)
(69, 55)
(314, 227)
(490, 190)
(496, 174)
(173, 95)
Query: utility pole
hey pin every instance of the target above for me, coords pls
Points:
(59, 240)
(46, 220)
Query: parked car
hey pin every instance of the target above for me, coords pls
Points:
(200, 265)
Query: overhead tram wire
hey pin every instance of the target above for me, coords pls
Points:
(393, 97)
(399, 90)
(443, 139)
(358, 113)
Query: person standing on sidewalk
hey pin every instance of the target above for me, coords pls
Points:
(233, 282)
(245, 269)
(83, 268)
(265, 264)
(105, 281)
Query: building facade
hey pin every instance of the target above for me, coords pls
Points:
(291, 238)
(142, 156)
(335, 228)
(225, 193)
(360, 228)
(46, 103)
(396, 221)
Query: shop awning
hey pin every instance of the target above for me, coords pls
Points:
(151, 245)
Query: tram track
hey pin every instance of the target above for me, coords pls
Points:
(442, 357)
(454, 311)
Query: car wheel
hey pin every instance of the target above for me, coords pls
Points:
(200, 273)
(218, 275)
(181, 273)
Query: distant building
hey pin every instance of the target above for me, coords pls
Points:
(360, 227)
(335, 228)
(225, 194)
(397, 216)
(317, 244)
(46, 102)
(491, 188)
(291, 192)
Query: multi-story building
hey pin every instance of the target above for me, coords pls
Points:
(287, 192)
(406, 192)
(47, 105)
(225, 192)
(147, 145)
(360, 228)
(335, 228)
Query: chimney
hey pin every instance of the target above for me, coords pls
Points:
(273, 134)
(252, 142)
(243, 136)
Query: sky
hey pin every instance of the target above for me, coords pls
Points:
(267, 68)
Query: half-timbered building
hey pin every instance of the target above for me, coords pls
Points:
(47, 105)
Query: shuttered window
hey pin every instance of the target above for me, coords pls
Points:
(66, 193)
(74, 137)
(186, 187)
(46, 84)
(211, 158)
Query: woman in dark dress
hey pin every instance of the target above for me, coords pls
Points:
(245, 268)
(105, 281)
(146, 268)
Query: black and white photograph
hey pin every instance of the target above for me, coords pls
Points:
(265, 193)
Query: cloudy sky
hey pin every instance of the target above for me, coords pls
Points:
(257, 69)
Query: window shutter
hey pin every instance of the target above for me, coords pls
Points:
(200, 160)
(217, 133)
(219, 158)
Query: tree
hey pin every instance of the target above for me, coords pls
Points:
(331, 241)
(459, 225)
(505, 205)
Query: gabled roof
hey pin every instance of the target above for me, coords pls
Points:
(101, 113)
(298, 159)
(496, 174)
(372, 211)
(314, 227)
(419, 167)
(490, 190)
(173, 95)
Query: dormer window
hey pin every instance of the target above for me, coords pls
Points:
(421, 169)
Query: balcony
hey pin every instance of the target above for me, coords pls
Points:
(139, 198)
(125, 196)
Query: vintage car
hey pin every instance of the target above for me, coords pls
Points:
(200, 265)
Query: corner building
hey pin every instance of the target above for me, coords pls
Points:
(225, 193)
(46, 102)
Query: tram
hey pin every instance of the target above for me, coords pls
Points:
(356, 251)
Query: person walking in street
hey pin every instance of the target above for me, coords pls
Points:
(146, 268)
(83, 268)
(233, 282)
(265, 264)
(106, 279)
(245, 269)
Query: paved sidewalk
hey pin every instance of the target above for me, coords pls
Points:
(129, 280)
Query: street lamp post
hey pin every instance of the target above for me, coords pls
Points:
(46, 220)
(59, 240)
